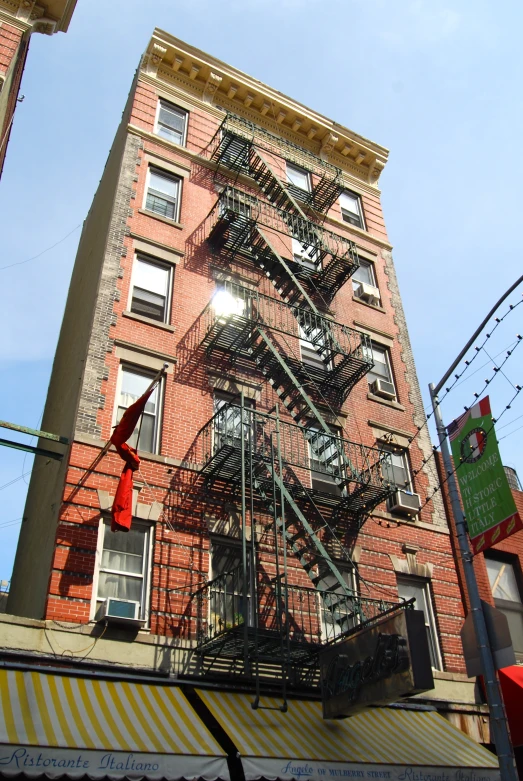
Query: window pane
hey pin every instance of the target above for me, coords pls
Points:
(515, 625)
(150, 276)
(148, 304)
(364, 274)
(307, 256)
(350, 203)
(132, 541)
(381, 366)
(119, 586)
(502, 580)
(163, 184)
(171, 118)
(133, 386)
(298, 177)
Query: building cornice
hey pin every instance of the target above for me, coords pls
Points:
(47, 17)
(171, 61)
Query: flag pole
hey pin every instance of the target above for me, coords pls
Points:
(107, 445)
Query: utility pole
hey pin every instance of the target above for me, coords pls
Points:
(494, 698)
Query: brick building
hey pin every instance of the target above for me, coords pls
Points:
(237, 237)
(18, 20)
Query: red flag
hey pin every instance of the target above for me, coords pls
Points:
(130, 418)
(122, 509)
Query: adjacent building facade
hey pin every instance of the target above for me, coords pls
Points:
(18, 20)
(236, 248)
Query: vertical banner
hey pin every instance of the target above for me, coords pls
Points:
(489, 506)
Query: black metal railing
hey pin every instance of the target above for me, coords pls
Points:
(232, 144)
(301, 614)
(302, 450)
(235, 307)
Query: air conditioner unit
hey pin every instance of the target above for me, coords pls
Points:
(367, 293)
(405, 502)
(121, 611)
(383, 388)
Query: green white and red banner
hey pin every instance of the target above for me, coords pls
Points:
(489, 506)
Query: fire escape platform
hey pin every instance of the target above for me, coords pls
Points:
(264, 644)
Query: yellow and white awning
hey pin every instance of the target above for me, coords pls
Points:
(60, 725)
(382, 743)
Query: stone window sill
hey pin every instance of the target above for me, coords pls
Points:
(148, 321)
(159, 217)
(386, 402)
(376, 307)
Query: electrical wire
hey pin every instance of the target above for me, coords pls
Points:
(21, 262)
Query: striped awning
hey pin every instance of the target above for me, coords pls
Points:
(60, 725)
(390, 743)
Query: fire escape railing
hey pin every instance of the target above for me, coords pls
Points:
(349, 475)
(305, 615)
(235, 139)
(319, 351)
(243, 224)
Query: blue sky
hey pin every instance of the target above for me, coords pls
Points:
(438, 83)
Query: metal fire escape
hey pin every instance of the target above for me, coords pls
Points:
(315, 485)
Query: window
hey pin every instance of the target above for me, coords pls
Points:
(299, 182)
(133, 384)
(227, 594)
(351, 210)
(364, 273)
(326, 460)
(228, 420)
(314, 344)
(397, 470)
(235, 152)
(337, 613)
(381, 371)
(305, 255)
(124, 565)
(409, 587)
(171, 122)
(163, 193)
(150, 289)
(505, 589)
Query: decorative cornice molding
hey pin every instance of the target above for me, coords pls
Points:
(267, 107)
(51, 17)
(213, 83)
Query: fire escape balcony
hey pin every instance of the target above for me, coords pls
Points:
(313, 469)
(268, 619)
(235, 147)
(243, 224)
(326, 357)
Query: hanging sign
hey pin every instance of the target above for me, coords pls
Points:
(376, 666)
(488, 503)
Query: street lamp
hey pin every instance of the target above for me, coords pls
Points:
(495, 702)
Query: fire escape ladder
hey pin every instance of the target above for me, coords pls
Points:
(312, 554)
(271, 185)
(279, 272)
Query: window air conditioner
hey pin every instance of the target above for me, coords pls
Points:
(367, 293)
(383, 388)
(405, 502)
(121, 611)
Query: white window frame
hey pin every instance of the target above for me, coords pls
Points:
(124, 366)
(177, 109)
(508, 606)
(168, 175)
(227, 398)
(146, 575)
(329, 479)
(347, 212)
(404, 455)
(299, 168)
(306, 346)
(371, 376)
(142, 257)
(356, 282)
(430, 616)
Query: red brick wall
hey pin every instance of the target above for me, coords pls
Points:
(13, 52)
(181, 544)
